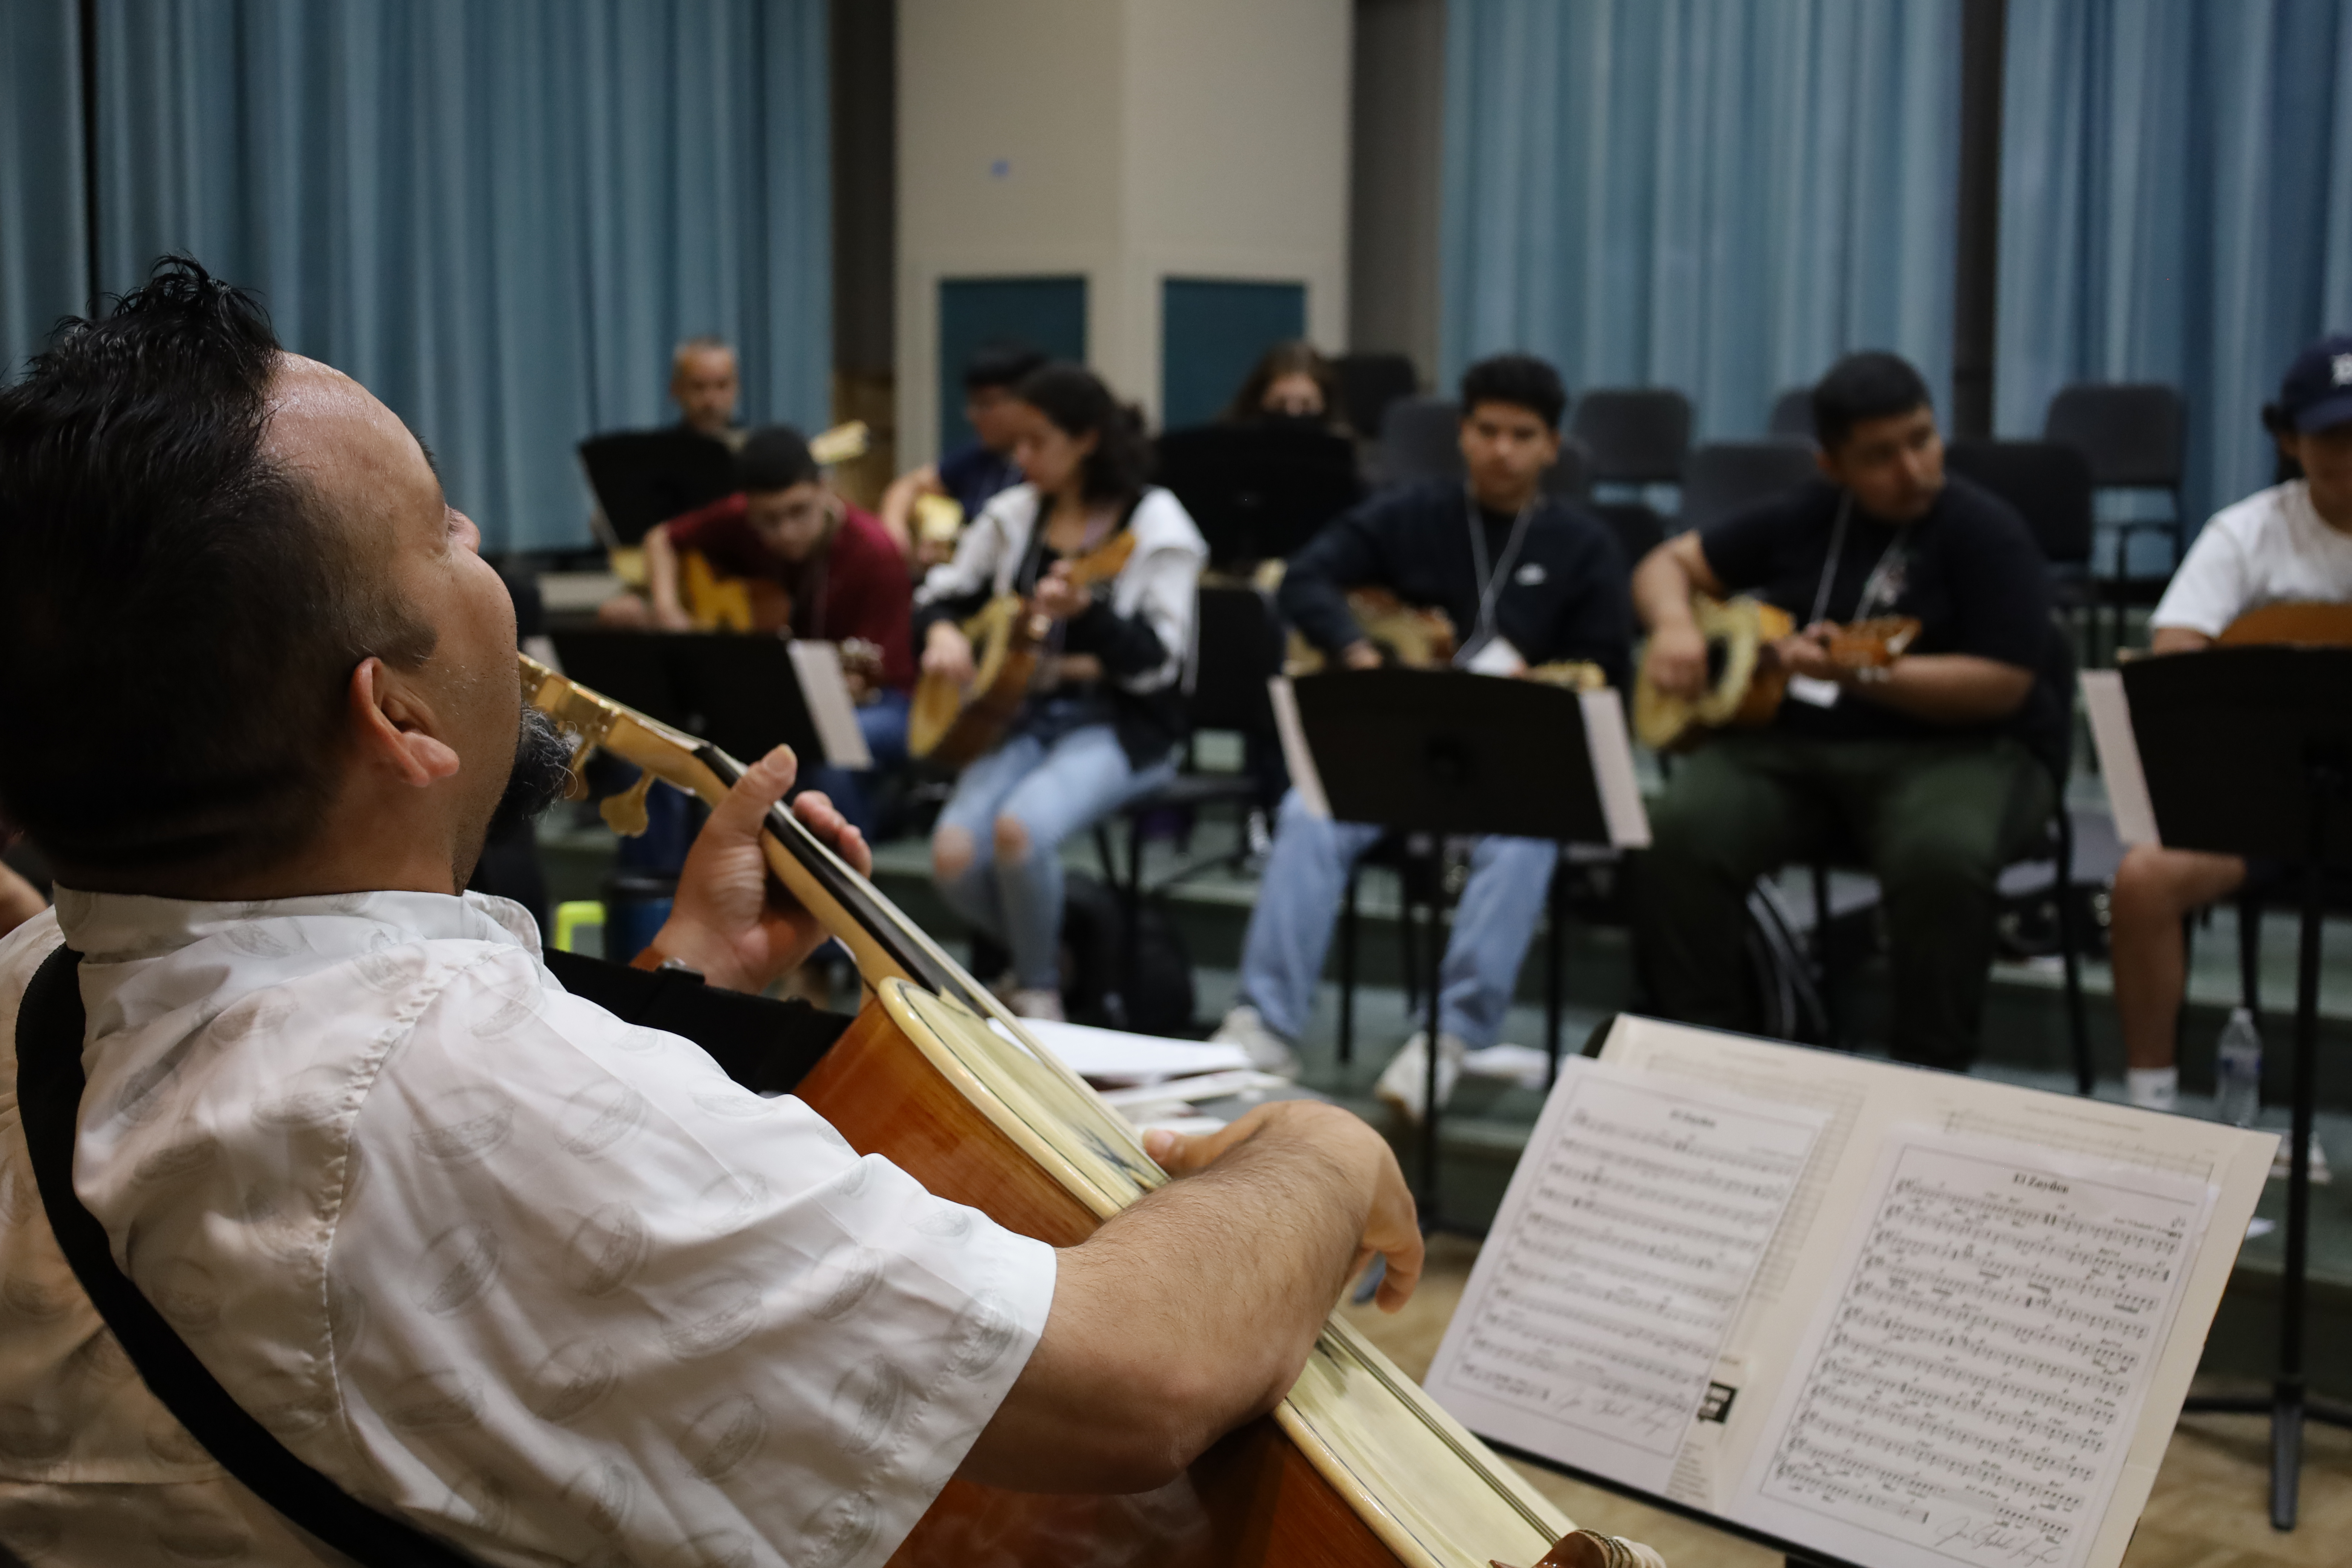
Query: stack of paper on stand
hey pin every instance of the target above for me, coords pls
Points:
(1156, 1082)
(1865, 1312)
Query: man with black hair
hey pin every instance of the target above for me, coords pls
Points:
(528, 1277)
(1526, 579)
(705, 384)
(843, 581)
(973, 475)
(1937, 769)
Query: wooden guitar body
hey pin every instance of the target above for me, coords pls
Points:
(955, 725)
(1355, 1468)
(2300, 623)
(1747, 684)
(718, 603)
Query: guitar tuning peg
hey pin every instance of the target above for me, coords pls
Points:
(575, 786)
(624, 812)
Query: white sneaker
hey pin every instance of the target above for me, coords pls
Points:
(1269, 1052)
(1407, 1074)
(1036, 1002)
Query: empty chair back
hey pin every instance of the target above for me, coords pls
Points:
(2133, 434)
(1420, 439)
(1637, 436)
(1725, 477)
(1570, 478)
(1239, 644)
(1369, 383)
(1792, 415)
(1637, 525)
(2048, 482)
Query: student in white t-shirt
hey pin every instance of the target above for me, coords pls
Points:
(2291, 542)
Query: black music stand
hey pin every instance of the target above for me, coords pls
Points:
(739, 692)
(1444, 752)
(1260, 489)
(645, 477)
(2247, 751)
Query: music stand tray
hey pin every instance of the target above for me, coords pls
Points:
(1455, 755)
(2247, 751)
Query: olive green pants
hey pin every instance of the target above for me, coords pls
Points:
(1935, 820)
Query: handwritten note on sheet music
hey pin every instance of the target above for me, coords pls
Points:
(1631, 1232)
(1969, 1396)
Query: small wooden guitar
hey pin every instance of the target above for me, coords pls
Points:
(1746, 683)
(956, 724)
(2295, 621)
(1413, 637)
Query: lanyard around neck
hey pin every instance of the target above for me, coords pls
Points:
(1490, 583)
(1871, 585)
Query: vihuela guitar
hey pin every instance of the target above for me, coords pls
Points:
(954, 723)
(1745, 682)
(2307, 624)
(1356, 1466)
(1416, 636)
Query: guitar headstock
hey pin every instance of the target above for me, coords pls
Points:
(842, 443)
(595, 721)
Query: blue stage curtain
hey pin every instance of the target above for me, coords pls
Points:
(2176, 205)
(498, 215)
(1717, 195)
(43, 249)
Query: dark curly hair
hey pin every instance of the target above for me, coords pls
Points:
(1078, 404)
(179, 616)
(1522, 381)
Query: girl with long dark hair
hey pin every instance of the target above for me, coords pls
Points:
(1104, 724)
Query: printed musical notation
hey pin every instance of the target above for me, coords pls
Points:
(1631, 1235)
(1969, 1394)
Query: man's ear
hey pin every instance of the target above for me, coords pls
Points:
(1828, 465)
(393, 727)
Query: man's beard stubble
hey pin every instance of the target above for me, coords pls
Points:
(542, 768)
(540, 771)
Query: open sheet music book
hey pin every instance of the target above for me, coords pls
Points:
(1881, 1315)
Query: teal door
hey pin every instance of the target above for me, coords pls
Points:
(1212, 332)
(1048, 314)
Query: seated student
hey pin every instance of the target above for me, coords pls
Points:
(2290, 542)
(1511, 566)
(1928, 767)
(1103, 726)
(841, 577)
(973, 475)
(1293, 381)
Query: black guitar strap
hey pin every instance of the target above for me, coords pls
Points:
(49, 1029)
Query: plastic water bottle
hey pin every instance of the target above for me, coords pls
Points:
(2238, 1077)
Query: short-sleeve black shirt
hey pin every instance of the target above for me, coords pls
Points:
(1969, 570)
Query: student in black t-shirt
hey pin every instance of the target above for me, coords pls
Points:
(1932, 769)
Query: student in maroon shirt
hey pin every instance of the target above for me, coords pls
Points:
(843, 578)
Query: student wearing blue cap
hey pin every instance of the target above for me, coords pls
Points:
(2290, 543)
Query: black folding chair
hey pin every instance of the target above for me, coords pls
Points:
(2050, 486)
(1369, 383)
(1637, 436)
(1792, 416)
(2135, 435)
(1725, 477)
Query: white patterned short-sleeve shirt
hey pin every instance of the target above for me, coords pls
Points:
(547, 1283)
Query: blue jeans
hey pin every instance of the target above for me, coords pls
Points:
(1299, 901)
(1052, 785)
(883, 722)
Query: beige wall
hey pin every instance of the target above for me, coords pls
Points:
(1142, 139)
